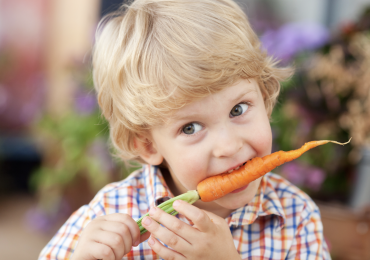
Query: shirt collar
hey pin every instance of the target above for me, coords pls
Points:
(157, 189)
(272, 204)
(265, 202)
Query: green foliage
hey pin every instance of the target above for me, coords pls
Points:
(76, 147)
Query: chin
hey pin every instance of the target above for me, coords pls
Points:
(237, 200)
(234, 202)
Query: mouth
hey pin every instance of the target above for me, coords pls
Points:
(235, 168)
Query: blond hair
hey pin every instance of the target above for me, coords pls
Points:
(155, 56)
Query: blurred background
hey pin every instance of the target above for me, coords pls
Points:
(54, 150)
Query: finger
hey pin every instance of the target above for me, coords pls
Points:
(113, 241)
(166, 236)
(125, 243)
(213, 217)
(162, 251)
(172, 223)
(196, 215)
(101, 251)
(144, 236)
(129, 222)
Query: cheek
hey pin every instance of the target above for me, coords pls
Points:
(263, 140)
(193, 166)
(190, 169)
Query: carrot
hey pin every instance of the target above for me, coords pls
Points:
(215, 187)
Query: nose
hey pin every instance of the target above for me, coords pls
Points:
(226, 143)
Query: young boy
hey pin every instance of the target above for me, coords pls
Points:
(188, 92)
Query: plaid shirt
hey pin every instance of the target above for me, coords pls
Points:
(281, 222)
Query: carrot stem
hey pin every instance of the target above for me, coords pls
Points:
(190, 197)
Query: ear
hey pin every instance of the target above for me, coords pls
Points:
(148, 150)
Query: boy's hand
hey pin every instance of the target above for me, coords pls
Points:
(209, 238)
(108, 237)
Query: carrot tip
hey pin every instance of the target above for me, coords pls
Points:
(341, 143)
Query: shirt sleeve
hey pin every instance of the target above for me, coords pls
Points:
(62, 245)
(309, 242)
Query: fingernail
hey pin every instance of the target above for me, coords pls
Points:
(176, 203)
(146, 221)
(151, 241)
(137, 242)
(152, 210)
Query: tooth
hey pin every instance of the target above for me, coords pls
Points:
(237, 168)
(230, 171)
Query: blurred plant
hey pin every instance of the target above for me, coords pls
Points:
(21, 88)
(75, 156)
(343, 74)
(328, 98)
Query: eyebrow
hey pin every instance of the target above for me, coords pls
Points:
(247, 91)
(184, 117)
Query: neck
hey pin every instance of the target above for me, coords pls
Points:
(170, 182)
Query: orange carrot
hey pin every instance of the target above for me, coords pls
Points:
(218, 186)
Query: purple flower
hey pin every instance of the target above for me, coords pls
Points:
(293, 38)
(44, 220)
(85, 103)
(315, 178)
(294, 173)
(99, 150)
(38, 220)
(303, 175)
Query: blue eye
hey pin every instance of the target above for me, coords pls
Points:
(191, 128)
(238, 110)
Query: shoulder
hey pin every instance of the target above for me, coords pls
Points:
(120, 196)
(289, 195)
(301, 219)
(135, 181)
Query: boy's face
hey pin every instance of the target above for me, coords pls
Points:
(214, 135)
